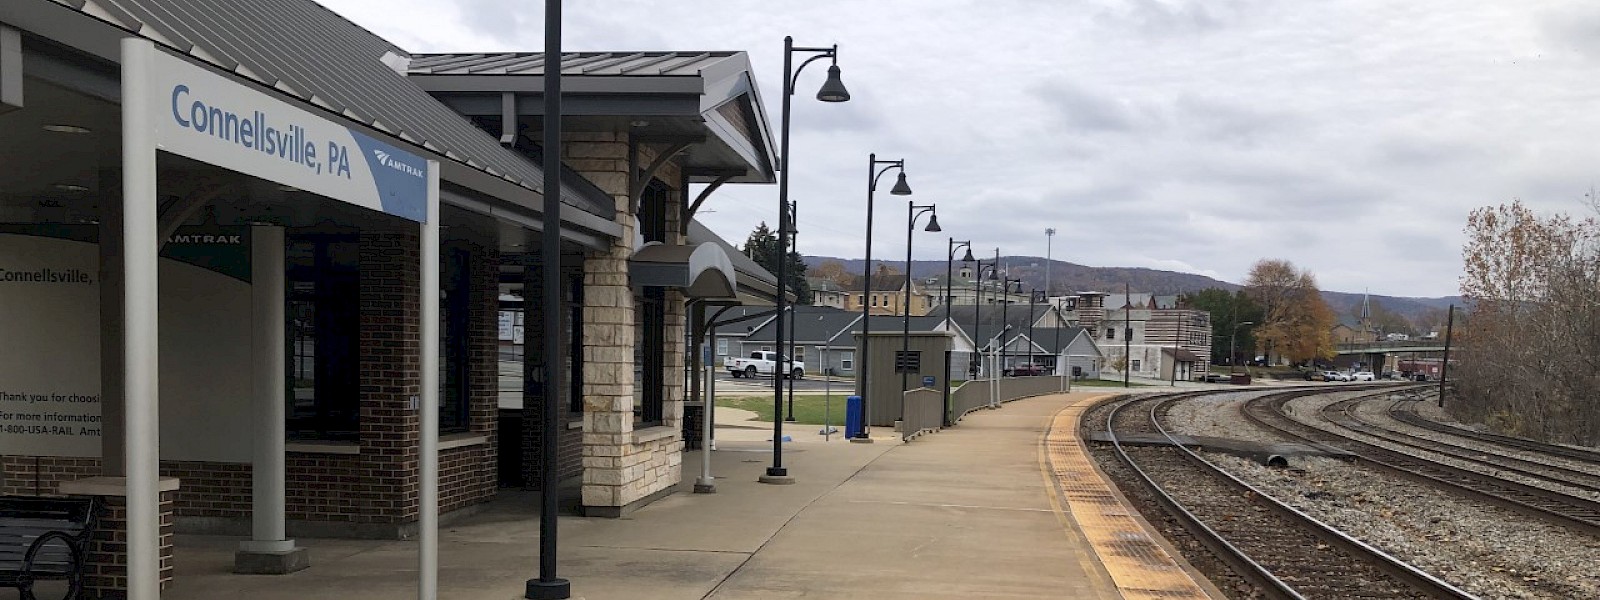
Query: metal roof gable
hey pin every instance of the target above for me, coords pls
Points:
(623, 83)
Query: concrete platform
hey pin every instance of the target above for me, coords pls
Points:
(975, 511)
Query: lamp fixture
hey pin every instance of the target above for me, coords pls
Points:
(901, 188)
(933, 223)
(833, 89)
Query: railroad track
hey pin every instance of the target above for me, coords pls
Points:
(1558, 508)
(1409, 416)
(1346, 414)
(1284, 552)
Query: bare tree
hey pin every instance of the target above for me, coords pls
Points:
(1530, 350)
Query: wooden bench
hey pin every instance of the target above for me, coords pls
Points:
(44, 539)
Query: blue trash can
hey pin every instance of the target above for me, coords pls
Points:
(853, 421)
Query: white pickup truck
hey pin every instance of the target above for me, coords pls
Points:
(761, 362)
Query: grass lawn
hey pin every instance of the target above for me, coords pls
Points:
(807, 408)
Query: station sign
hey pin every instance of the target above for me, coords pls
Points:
(206, 117)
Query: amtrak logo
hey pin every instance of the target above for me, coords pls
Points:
(388, 160)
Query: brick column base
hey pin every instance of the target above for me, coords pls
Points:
(693, 424)
(106, 558)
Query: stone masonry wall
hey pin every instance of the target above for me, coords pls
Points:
(620, 468)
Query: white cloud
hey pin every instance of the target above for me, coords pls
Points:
(1350, 137)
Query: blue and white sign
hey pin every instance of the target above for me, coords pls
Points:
(213, 120)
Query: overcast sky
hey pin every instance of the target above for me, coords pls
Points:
(1350, 137)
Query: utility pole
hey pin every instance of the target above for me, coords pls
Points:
(1127, 336)
(1444, 367)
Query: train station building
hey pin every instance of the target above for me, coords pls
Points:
(259, 268)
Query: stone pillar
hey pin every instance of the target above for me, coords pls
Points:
(269, 551)
(623, 468)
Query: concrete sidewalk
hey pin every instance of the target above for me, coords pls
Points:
(964, 513)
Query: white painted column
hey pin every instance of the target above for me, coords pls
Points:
(268, 392)
(140, 247)
(428, 477)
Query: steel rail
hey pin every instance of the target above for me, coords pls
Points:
(1345, 415)
(1241, 563)
(1554, 507)
(1410, 417)
(1399, 569)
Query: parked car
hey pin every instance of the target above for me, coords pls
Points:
(1314, 376)
(1026, 370)
(1362, 376)
(1334, 376)
(762, 362)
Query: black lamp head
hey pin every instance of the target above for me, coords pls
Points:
(900, 186)
(968, 258)
(994, 273)
(833, 89)
(933, 223)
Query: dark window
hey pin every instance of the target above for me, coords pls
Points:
(1111, 334)
(455, 340)
(324, 341)
(650, 358)
(574, 331)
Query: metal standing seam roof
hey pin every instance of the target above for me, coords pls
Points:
(634, 64)
(304, 50)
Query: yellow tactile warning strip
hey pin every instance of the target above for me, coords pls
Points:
(1140, 565)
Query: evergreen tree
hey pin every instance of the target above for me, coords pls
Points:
(762, 247)
(1228, 309)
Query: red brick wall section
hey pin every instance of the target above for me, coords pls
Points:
(390, 374)
(107, 556)
(42, 475)
(208, 489)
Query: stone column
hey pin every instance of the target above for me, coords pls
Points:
(269, 551)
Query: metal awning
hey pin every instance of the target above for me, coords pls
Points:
(701, 271)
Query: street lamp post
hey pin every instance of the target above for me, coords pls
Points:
(950, 257)
(794, 234)
(832, 91)
(901, 188)
(913, 211)
(977, 312)
(1005, 320)
(1033, 296)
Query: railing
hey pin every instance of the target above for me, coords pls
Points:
(923, 413)
(975, 394)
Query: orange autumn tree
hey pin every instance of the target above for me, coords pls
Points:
(1297, 321)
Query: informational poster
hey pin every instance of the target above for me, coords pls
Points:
(50, 402)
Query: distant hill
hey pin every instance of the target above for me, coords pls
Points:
(1071, 277)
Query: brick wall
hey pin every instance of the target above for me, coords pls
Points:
(42, 475)
(107, 572)
(390, 374)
